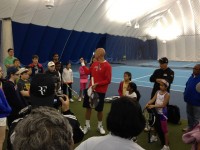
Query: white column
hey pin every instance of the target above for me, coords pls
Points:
(6, 39)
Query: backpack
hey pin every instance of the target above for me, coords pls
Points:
(173, 114)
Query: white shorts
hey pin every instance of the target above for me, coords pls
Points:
(3, 122)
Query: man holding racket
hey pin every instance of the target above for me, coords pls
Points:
(101, 73)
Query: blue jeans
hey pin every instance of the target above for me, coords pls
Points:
(193, 115)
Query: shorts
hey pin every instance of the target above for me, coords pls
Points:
(3, 122)
(164, 126)
(86, 103)
(83, 86)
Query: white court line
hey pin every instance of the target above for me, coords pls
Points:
(142, 77)
(152, 87)
(181, 76)
(147, 85)
(188, 64)
(150, 83)
(134, 78)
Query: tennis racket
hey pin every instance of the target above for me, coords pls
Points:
(94, 99)
(150, 121)
(93, 96)
(74, 93)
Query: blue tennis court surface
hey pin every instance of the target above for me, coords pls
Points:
(172, 64)
(141, 75)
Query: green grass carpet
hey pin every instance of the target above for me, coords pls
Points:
(175, 131)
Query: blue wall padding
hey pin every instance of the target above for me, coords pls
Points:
(71, 45)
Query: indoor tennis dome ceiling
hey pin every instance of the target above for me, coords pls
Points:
(173, 24)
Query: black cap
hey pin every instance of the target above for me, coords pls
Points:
(42, 90)
(163, 60)
(12, 70)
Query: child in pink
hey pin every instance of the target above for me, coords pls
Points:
(83, 82)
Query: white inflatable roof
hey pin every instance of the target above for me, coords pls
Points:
(165, 19)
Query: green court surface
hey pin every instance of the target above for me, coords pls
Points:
(175, 131)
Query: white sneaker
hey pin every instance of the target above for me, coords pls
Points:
(79, 99)
(86, 129)
(71, 100)
(147, 127)
(165, 148)
(135, 139)
(101, 130)
(153, 138)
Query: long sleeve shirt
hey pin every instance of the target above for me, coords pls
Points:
(102, 73)
(67, 75)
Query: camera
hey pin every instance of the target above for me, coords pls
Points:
(57, 102)
(25, 111)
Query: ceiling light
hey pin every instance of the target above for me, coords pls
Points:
(137, 26)
(49, 3)
(129, 24)
(178, 2)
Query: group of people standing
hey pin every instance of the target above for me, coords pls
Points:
(15, 94)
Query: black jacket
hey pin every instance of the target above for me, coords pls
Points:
(14, 100)
(167, 74)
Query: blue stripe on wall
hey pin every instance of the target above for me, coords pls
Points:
(32, 39)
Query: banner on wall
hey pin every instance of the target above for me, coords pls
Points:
(71, 45)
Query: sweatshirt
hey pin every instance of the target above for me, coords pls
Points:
(102, 73)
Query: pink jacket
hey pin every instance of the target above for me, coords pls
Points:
(83, 75)
(192, 137)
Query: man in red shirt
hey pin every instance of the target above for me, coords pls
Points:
(101, 72)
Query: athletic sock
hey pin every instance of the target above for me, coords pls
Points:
(99, 124)
(87, 123)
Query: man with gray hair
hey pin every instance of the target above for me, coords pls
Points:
(44, 128)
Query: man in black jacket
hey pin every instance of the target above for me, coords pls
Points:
(164, 72)
(12, 94)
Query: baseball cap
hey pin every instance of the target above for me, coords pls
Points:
(163, 60)
(12, 70)
(42, 90)
(51, 63)
(22, 70)
(165, 82)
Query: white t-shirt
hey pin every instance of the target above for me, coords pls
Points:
(159, 101)
(133, 95)
(108, 142)
(67, 75)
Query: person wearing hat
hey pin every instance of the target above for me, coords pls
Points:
(12, 95)
(159, 103)
(52, 72)
(164, 72)
(23, 84)
(42, 94)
